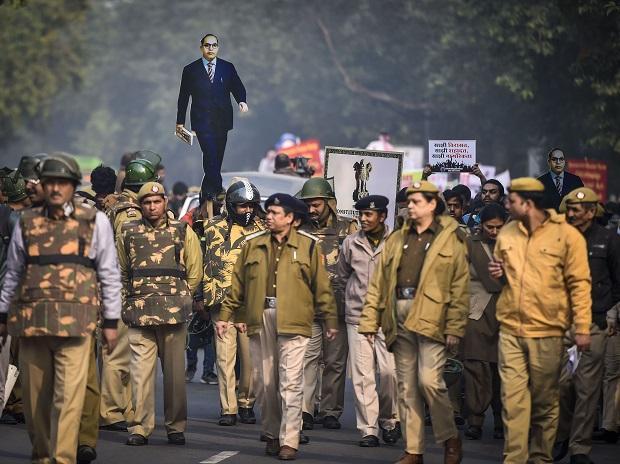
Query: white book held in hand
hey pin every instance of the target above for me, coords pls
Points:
(185, 135)
(11, 378)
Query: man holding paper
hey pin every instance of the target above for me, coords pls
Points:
(210, 81)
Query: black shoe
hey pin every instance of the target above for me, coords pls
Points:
(86, 454)
(303, 438)
(273, 447)
(209, 379)
(115, 427)
(473, 432)
(458, 420)
(263, 437)
(498, 433)
(8, 419)
(176, 438)
(369, 441)
(307, 421)
(246, 416)
(605, 435)
(560, 449)
(330, 422)
(189, 375)
(136, 439)
(19, 417)
(228, 420)
(390, 436)
(580, 459)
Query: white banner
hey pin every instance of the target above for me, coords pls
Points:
(451, 155)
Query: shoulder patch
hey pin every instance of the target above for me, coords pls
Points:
(256, 234)
(306, 234)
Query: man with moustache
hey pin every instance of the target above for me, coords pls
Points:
(361, 251)
(61, 258)
(27, 167)
(580, 394)
(279, 284)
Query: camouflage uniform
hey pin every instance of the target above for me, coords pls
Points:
(334, 354)
(115, 406)
(160, 268)
(224, 240)
(54, 266)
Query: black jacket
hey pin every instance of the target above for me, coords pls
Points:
(604, 260)
(552, 196)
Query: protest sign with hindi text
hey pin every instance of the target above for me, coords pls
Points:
(451, 155)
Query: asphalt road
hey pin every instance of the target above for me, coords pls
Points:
(209, 443)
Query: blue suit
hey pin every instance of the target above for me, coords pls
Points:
(211, 114)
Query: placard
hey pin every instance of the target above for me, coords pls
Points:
(593, 173)
(357, 173)
(451, 155)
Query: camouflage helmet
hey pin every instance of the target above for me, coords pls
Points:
(317, 187)
(60, 166)
(140, 171)
(28, 166)
(14, 187)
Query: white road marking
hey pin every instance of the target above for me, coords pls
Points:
(219, 457)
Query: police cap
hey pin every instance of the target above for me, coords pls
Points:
(284, 200)
(422, 186)
(526, 184)
(373, 203)
(582, 195)
(150, 189)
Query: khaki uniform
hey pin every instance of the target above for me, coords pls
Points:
(415, 329)
(611, 386)
(375, 405)
(89, 422)
(301, 288)
(223, 245)
(534, 310)
(479, 348)
(55, 316)
(333, 354)
(160, 268)
(116, 405)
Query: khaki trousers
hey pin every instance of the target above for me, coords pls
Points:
(166, 342)
(530, 373)
(89, 423)
(116, 405)
(611, 385)
(579, 394)
(419, 369)
(334, 355)
(374, 406)
(482, 389)
(54, 371)
(282, 371)
(227, 348)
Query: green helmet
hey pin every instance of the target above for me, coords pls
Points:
(14, 187)
(60, 166)
(138, 172)
(316, 187)
(28, 166)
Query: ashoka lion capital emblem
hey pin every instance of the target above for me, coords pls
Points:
(362, 173)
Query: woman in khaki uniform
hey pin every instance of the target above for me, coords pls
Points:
(419, 296)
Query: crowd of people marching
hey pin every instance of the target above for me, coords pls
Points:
(508, 300)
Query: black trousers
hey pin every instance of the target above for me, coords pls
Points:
(212, 146)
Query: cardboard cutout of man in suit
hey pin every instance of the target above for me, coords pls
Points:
(558, 182)
(210, 81)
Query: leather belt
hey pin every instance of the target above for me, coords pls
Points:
(405, 293)
(270, 302)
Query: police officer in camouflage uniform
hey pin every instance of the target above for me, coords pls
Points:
(161, 268)
(57, 256)
(115, 407)
(331, 229)
(224, 238)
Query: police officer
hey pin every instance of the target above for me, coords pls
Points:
(580, 394)
(58, 255)
(278, 284)
(545, 266)
(419, 297)
(161, 268)
(374, 407)
(331, 229)
(28, 168)
(225, 235)
(115, 407)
